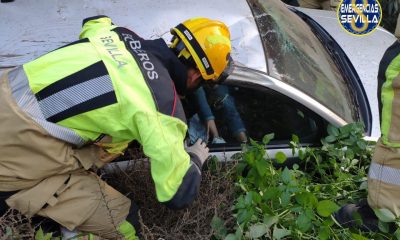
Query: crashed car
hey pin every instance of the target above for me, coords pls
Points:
(315, 74)
(296, 70)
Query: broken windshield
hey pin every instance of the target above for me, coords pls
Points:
(295, 56)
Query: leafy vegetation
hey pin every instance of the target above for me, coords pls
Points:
(297, 202)
(269, 200)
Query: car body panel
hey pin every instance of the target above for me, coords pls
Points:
(364, 52)
(297, 56)
(30, 28)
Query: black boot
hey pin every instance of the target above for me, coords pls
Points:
(359, 216)
(47, 225)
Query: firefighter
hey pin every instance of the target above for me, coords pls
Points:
(384, 171)
(79, 106)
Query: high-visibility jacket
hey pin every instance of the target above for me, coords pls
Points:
(113, 83)
(388, 90)
(384, 171)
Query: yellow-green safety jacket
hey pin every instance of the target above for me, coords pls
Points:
(113, 83)
(389, 95)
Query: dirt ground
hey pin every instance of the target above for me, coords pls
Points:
(159, 222)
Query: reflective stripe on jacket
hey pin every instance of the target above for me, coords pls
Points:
(389, 95)
(110, 83)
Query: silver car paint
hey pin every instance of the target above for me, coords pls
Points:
(364, 52)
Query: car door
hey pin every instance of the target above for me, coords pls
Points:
(262, 111)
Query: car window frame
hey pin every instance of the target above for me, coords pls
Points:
(274, 145)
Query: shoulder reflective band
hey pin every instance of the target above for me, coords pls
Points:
(196, 47)
(88, 89)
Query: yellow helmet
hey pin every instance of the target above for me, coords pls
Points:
(207, 42)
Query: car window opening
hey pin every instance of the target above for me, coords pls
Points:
(258, 111)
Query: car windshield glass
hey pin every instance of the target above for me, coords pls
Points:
(296, 56)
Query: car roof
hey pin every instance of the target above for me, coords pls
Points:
(30, 28)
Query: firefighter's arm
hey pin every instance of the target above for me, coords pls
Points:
(176, 174)
(101, 152)
(94, 25)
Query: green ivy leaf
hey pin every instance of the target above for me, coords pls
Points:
(347, 142)
(397, 234)
(252, 173)
(363, 185)
(270, 220)
(280, 233)
(347, 129)
(303, 222)
(295, 166)
(328, 222)
(270, 193)
(323, 233)
(309, 213)
(48, 236)
(295, 138)
(256, 197)
(257, 230)
(280, 157)
(231, 236)
(286, 176)
(262, 167)
(330, 139)
(265, 191)
(354, 162)
(217, 225)
(248, 199)
(385, 215)
(250, 156)
(361, 144)
(240, 203)
(349, 154)
(306, 199)
(244, 216)
(356, 236)
(39, 234)
(285, 198)
(302, 155)
(267, 138)
(266, 209)
(383, 226)
(253, 142)
(240, 167)
(333, 131)
(326, 207)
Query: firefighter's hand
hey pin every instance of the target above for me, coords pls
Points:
(198, 152)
